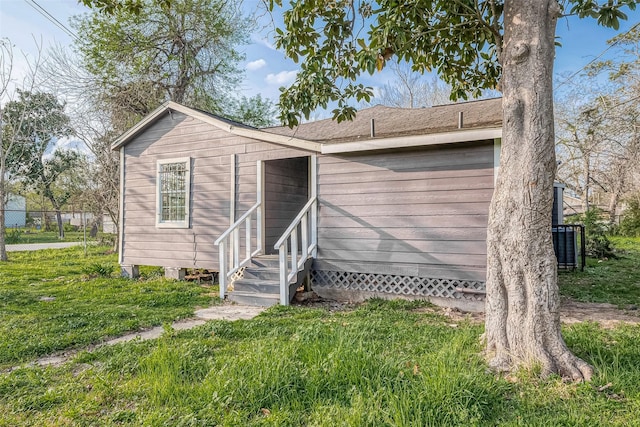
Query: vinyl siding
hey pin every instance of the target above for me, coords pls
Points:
(419, 213)
(211, 151)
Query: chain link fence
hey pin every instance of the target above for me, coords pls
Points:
(29, 226)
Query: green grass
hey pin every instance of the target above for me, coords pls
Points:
(615, 280)
(383, 364)
(53, 300)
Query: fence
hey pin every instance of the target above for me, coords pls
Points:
(26, 228)
(569, 246)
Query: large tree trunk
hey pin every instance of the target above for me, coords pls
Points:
(522, 307)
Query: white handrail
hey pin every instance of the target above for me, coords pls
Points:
(229, 241)
(306, 222)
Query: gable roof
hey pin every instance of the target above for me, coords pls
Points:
(393, 127)
(217, 121)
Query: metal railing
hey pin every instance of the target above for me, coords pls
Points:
(229, 246)
(306, 224)
(569, 245)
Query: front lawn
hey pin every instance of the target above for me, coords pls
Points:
(378, 364)
(52, 300)
(382, 364)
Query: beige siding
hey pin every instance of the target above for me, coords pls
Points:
(418, 213)
(210, 150)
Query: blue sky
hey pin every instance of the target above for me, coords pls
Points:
(266, 68)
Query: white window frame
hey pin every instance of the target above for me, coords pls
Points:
(185, 222)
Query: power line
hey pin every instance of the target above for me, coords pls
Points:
(599, 56)
(42, 11)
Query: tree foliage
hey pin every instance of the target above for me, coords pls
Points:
(185, 51)
(598, 128)
(35, 121)
(336, 41)
(255, 111)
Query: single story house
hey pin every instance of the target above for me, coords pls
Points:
(394, 203)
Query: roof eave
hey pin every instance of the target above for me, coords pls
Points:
(466, 135)
(240, 131)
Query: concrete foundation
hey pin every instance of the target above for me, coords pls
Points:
(130, 271)
(176, 273)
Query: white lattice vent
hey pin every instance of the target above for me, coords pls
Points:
(237, 275)
(393, 284)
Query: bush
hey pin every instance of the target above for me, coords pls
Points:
(13, 236)
(100, 269)
(69, 227)
(630, 224)
(597, 243)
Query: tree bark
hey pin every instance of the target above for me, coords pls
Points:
(522, 306)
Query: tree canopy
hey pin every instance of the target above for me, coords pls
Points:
(336, 41)
(34, 122)
(145, 53)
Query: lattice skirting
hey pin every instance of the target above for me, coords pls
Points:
(235, 276)
(394, 284)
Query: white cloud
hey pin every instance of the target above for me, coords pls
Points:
(256, 65)
(260, 39)
(283, 78)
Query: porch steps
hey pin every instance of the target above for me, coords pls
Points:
(260, 285)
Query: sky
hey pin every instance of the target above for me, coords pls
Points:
(267, 69)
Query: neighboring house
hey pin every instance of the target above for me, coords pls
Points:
(394, 203)
(15, 211)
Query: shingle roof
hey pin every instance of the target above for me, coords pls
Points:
(394, 122)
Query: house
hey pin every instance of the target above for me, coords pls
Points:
(15, 211)
(394, 203)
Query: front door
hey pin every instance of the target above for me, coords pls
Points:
(286, 190)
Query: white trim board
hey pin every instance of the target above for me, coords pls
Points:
(414, 141)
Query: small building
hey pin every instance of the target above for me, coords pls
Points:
(15, 211)
(393, 204)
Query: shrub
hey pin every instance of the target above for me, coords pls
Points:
(100, 269)
(597, 243)
(69, 227)
(13, 236)
(630, 224)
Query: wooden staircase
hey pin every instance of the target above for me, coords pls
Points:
(260, 285)
(267, 279)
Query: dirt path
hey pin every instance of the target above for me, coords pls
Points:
(607, 315)
(229, 312)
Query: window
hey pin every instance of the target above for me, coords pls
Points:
(173, 188)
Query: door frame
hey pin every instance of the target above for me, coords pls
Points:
(312, 189)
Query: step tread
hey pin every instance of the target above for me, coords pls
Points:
(252, 281)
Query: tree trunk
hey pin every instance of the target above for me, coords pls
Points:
(60, 225)
(3, 196)
(522, 306)
(587, 182)
(3, 230)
